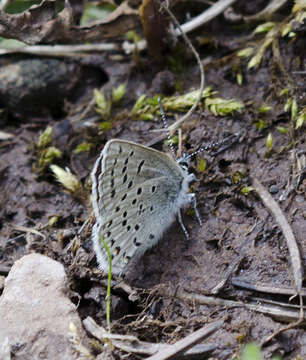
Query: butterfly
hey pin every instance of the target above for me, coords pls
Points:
(137, 192)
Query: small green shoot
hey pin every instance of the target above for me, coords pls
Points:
(251, 352)
(294, 110)
(282, 130)
(53, 220)
(47, 157)
(93, 12)
(183, 102)
(266, 42)
(146, 107)
(261, 124)
(103, 106)
(269, 142)
(105, 125)
(301, 119)
(45, 138)
(246, 190)
(264, 108)
(223, 107)
(246, 52)
(201, 165)
(239, 78)
(109, 282)
(67, 179)
(288, 104)
(174, 140)
(83, 147)
(263, 28)
(118, 93)
(284, 92)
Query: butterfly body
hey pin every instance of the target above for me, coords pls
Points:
(136, 192)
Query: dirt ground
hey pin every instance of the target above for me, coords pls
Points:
(236, 229)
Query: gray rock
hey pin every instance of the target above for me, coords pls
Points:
(35, 311)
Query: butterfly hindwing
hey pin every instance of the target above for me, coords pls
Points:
(132, 214)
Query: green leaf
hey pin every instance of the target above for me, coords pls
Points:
(251, 352)
(264, 27)
(223, 107)
(174, 140)
(301, 119)
(45, 138)
(93, 12)
(288, 104)
(264, 108)
(201, 165)
(246, 52)
(118, 93)
(269, 142)
(103, 106)
(66, 178)
(282, 130)
(105, 125)
(294, 110)
(246, 190)
(261, 124)
(83, 147)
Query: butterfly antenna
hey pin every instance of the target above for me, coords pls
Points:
(230, 139)
(165, 125)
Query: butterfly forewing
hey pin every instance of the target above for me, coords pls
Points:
(134, 199)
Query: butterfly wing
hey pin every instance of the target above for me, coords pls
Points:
(134, 192)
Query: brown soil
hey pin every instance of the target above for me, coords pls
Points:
(233, 224)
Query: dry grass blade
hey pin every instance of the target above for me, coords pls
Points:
(187, 342)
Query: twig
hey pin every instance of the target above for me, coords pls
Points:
(206, 16)
(265, 14)
(131, 344)
(177, 124)
(289, 327)
(272, 205)
(60, 50)
(28, 230)
(187, 342)
(265, 288)
(281, 313)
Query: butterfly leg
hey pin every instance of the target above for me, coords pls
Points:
(180, 220)
(194, 200)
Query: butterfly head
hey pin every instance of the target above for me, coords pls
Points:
(184, 161)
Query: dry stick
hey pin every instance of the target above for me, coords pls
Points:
(296, 263)
(265, 14)
(28, 230)
(289, 327)
(186, 343)
(60, 50)
(131, 344)
(178, 123)
(265, 288)
(206, 16)
(281, 313)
